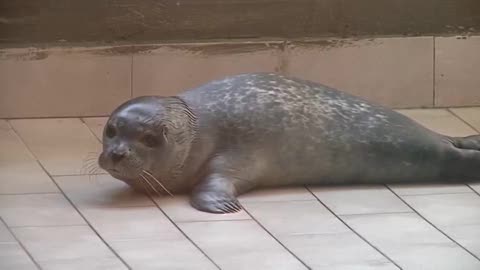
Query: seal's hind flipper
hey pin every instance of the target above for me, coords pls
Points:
(469, 142)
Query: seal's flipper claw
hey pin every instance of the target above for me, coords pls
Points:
(235, 206)
(229, 208)
(219, 203)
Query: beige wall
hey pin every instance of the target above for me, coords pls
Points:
(401, 72)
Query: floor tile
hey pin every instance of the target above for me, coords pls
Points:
(145, 238)
(19, 171)
(100, 191)
(67, 247)
(342, 251)
(38, 210)
(295, 217)
(240, 244)
(277, 194)
(96, 125)
(353, 200)
(465, 235)
(447, 209)
(20, 177)
(160, 254)
(411, 242)
(458, 215)
(12, 256)
(12, 146)
(316, 236)
(440, 120)
(125, 223)
(5, 235)
(470, 115)
(476, 187)
(63, 151)
(180, 210)
(132, 225)
(425, 189)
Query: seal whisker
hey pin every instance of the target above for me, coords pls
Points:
(92, 178)
(150, 184)
(89, 160)
(91, 168)
(86, 167)
(92, 156)
(145, 187)
(95, 170)
(158, 182)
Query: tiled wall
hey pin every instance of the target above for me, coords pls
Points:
(397, 72)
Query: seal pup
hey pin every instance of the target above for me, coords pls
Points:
(232, 135)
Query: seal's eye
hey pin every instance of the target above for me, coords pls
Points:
(150, 140)
(110, 132)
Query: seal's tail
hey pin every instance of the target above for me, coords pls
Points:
(468, 143)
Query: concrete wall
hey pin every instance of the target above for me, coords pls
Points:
(23, 22)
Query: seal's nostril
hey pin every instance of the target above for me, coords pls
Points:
(116, 157)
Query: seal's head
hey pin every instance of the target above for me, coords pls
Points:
(140, 141)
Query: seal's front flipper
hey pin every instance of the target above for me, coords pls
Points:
(215, 203)
(215, 194)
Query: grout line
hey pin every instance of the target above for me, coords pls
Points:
(275, 238)
(91, 130)
(50, 226)
(108, 115)
(434, 76)
(184, 234)
(435, 194)
(376, 214)
(355, 232)
(20, 243)
(58, 117)
(89, 224)
(474, 191)
(69, 200)
(213, 220)
(131, 75)
(30, 193)
(80, 174)
(276, 201)
(431, 224)
(283, 58)
(463, 120)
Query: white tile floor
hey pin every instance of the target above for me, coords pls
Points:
(53, 215)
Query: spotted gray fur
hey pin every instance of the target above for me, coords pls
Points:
(259, 130)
